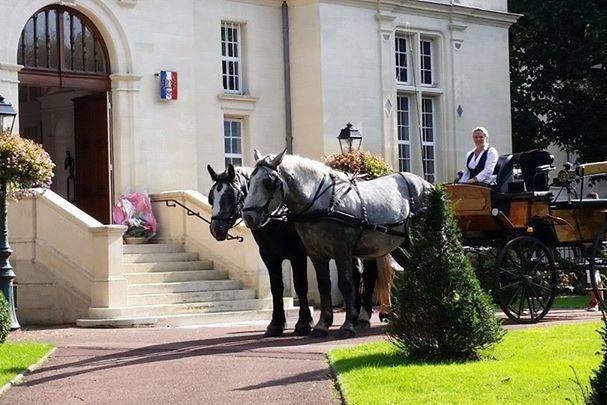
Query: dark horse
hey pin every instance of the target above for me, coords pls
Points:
(277, 241)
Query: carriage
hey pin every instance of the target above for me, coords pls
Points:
(529, 237)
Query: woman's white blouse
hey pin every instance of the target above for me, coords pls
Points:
(486, 175)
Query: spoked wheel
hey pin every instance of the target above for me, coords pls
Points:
(597, 267)
(526, 279)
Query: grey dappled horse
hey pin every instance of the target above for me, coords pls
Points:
(315, 194)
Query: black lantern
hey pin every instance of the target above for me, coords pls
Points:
(350, 139)
(7, 114)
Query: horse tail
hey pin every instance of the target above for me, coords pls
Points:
(383, 285)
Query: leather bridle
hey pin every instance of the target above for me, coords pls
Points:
(235, 213)
(262, 210)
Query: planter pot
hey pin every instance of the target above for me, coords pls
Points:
(135, 240)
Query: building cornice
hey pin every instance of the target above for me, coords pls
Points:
(457, 12)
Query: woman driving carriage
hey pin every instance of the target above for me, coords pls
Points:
(481, 161)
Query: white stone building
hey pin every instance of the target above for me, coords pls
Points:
(414, 75)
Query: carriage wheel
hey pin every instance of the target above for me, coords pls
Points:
(526, 279)
(597, 267)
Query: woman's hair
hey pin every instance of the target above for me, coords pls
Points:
(483, 130)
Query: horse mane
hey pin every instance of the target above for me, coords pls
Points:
(308, 167)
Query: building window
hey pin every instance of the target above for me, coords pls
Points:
(231, 57)
(232, 135)
(428, 139)
(403, 141)
(402, 74)
(425, 48)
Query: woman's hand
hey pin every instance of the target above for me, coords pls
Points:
(473, 180)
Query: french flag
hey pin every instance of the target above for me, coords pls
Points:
(168, 85)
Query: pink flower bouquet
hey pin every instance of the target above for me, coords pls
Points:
(135, 211)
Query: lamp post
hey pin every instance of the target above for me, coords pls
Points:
(7, 275)
(350, 139)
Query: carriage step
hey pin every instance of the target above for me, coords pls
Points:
(183, 287)
(186, 297)
(159, 257)
(153, 248)
(167, 266)
(187, 319)
(175, 276)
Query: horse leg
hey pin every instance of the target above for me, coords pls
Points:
(384, 286)
(369, 279)
(346, 286)
(357, 268)
(300, 279)
(277, 325)
(321, 265)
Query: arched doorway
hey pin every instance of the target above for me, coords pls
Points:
(64, 103)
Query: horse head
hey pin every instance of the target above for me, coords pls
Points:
(266, 190)
(227, 198)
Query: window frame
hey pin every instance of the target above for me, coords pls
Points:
(426, 143)
(237, 60)
(432, 69)
(397, 52)
(230, 156)
(404, 162)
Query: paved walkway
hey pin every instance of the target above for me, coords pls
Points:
(206, 365)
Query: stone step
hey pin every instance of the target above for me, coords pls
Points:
(167, 266)
(174, 276)
(188, 319)
(153, 248)
(185, 297)
(201, 307)
(182, 287)
(160, 257)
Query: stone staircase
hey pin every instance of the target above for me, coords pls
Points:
(170, 287)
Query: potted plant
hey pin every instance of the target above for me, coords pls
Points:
(135, 212)
(23, 165)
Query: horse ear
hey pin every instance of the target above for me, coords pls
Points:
(257, 155)
(278, 159)
(212, 173)
(231, 172)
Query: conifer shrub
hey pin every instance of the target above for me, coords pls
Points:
(5, 319)
(439, 309)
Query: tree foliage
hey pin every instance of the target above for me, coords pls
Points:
(597, 395)
(24, 163)
(558, 68)
(5, 318)
(360, 163)
(439, 308)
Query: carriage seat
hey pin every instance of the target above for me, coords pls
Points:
(503, 172)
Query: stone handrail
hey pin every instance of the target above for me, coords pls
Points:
(81, 253)
(241, 260)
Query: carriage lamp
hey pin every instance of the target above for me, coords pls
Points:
(7, 115)
(350, 139)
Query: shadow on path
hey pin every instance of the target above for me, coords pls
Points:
(244, 345)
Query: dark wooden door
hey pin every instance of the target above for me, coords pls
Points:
(92, 160)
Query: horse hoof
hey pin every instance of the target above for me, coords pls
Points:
(274, 330)
(319, 333)
(363, 324)
(302, 330)
(345, 334)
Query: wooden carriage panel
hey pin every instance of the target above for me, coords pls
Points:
(540, 209)
(582, 223)
(519, 213)
(478, 223)
(469, 200)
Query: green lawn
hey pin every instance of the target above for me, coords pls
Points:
(16, 357)
(530, 366)
(571, 302)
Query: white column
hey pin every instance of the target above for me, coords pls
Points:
(9, 87)
(124, 91)
(388, 85)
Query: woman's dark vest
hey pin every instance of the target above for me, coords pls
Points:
(480, 166)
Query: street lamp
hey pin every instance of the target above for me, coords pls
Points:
(7, 275)
(350, 139)
(7, 112)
